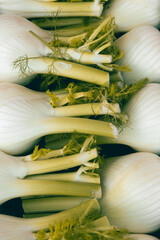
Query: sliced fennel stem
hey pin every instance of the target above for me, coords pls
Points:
(71, 176)
(51, 204)
(53, 153)
(86, 109)
(57, 9)
(56, 143)
(35, 215)
(61, 22)
(80, 125)
(65, 99)
(27, 187)
(68, 69)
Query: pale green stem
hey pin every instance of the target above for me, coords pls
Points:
(80, 125)
(106, 68)
(36, 215)
(51, 154)
(88, 43)
(70, 40)
(70, 32)
(88, 142)
(87, 208)
(56, 9)
(92, 39)
(101, 224)
(61, 163)
(74, 31)
(56, 143)
(100, 49)
(71, 177)
(87, 109)
(27, 187)
(53, 137)
(64, 100)
(106, 140)
(95, 33)
(60, 22)
(116, 77)
(81, 56)
(67, 69)
(51, 204)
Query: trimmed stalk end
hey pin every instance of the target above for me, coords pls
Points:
(115, 131)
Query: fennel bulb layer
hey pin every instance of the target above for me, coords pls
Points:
(131, 192)
(143, 111)
(130, 14)
(143, 237)
(18, 42)
(141, 51)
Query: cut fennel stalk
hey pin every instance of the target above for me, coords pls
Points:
(83, 174)
(33, 117)
(51, 22)
(50, 204)
(33, 8)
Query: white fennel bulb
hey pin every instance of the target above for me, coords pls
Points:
(131, 192)
(141, 51)
(21, 25)
(132, 13)
(142, 131)
(142, 237)
(26, 115)
(143, 111)
(23, 54)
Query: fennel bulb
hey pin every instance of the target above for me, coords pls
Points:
(131, 13)
(34, 8)
(131, 192)
(143, 237)
(12, 184)
(141, 51)
(143, 129)
(27, 115)
(24, 54)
